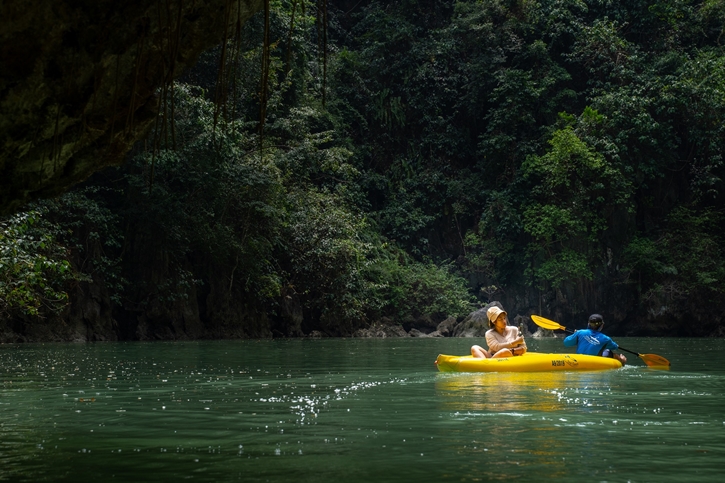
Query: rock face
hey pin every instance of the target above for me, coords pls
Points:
(79, 81)
(474, 325)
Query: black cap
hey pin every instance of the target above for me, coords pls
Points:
(596, 320)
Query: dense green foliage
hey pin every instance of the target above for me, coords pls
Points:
(548, 144)
(563, 153)
(47, 252)
(33, 268)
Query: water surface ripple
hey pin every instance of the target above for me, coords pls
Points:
(354, 410)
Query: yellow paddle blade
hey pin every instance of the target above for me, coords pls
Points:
(546, 323)
(654, 361)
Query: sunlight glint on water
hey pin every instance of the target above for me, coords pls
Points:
(358, 410)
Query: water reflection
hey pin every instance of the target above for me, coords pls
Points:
(506, 391)
(546, 391)
(505, 420)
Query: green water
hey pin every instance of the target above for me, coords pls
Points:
(353, 410)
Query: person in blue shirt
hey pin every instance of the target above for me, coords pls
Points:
(591, 340)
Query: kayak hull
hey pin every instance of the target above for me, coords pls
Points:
(529, 362)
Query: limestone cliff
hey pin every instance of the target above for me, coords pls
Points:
(79, 81)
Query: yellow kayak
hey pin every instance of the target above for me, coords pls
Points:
(529, 362)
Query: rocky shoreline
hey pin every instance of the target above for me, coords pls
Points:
(473, 325)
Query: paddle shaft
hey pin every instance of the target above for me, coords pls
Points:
(631, 352)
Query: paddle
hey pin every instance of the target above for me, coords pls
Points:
(652, 360)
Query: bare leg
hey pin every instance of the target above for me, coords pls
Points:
(479, 352)
(502, 353)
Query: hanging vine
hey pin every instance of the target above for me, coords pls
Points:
(288, 56)
(322, 43)
(221, 84)
(264, 87)
(168, 42)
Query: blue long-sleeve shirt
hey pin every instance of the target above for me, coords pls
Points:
(590, 342)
